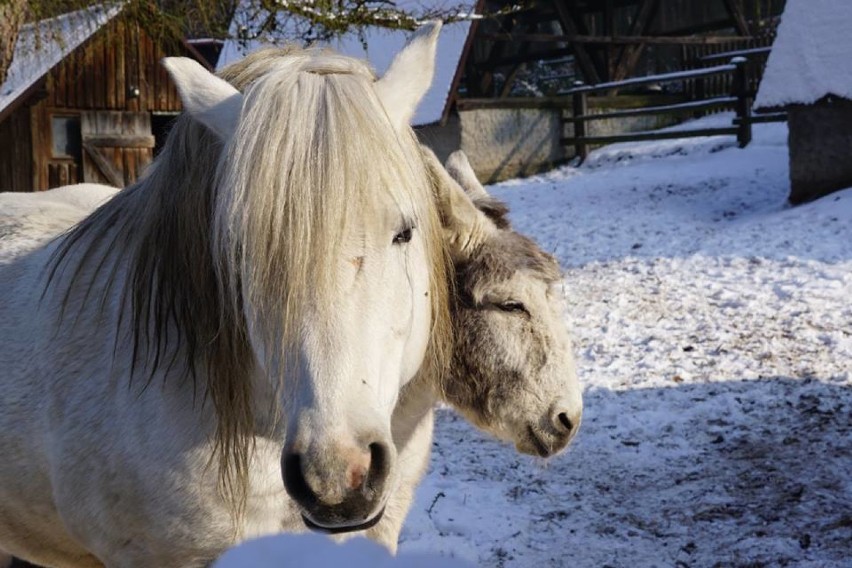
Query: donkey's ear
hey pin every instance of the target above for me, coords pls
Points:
(409, 76)
(208, 99)
(461, 171)
(458, 166)
(465, 226)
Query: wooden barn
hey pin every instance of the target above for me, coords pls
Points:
(85, 100)
(809, 74)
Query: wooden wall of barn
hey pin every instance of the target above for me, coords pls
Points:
(16, 159)
(113, 78)
(116, 60)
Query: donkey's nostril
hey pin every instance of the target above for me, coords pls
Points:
(565, 421)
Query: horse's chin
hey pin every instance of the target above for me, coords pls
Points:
(345, 528)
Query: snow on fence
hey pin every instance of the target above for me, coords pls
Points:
(739, 97)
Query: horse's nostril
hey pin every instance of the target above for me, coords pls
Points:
(294, 479)
(565, 421)
(378, 471)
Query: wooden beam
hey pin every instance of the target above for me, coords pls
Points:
(735, 9)
(630, 54)
(121, 141)
(486, 81)
(570, 27)
(515, 103)
(106, 167)
(460, 65)
(534, 56)
(647, 136)
(613, 40)
(609, 29)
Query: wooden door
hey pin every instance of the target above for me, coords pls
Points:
(116, 146)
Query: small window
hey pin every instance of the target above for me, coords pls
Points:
(66, 137)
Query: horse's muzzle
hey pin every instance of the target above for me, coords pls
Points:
(338, 495)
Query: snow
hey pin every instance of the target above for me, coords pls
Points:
(43, 44)
(713, 333)
(810, 56)
(318, 551)
(381, 46)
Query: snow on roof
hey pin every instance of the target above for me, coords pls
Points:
(379, 47)
(811, 56)
(43, 44)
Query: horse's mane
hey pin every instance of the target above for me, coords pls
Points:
(195, 240)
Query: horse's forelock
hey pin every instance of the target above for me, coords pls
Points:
(314, 133)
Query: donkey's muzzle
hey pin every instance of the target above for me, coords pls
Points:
(338, 494)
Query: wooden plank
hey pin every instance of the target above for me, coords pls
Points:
(151, 86)
(514, 103)
(759, 118)
(104, 165)
(98, 68)
(131, 66)
(679, 108)
(77, 81)
(748, 52)
(121, 140)
(60, 85)
(120, 45)
(648, 136)
(109, 76)
(661, 78)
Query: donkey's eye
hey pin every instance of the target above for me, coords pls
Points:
(403, 236)
(513, 306)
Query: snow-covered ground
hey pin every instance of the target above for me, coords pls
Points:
(713, 329)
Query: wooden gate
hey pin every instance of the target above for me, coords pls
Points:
(116, 146)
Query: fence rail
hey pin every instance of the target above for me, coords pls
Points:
(739, 98)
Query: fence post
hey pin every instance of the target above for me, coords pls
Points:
(579, 110)
(743, 101)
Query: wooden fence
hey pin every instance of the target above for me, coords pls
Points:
(739, 97)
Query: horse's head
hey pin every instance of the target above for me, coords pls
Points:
(513, 372)
(328, 243)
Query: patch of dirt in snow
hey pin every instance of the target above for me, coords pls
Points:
(713, 333)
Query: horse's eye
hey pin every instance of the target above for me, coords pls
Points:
(513, 306)
(403, 236)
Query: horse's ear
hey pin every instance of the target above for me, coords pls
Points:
(409, 75)
(461, 171)
(208, 99)
(465, 226)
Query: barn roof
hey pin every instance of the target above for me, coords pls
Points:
(42, 45)
(379, 48)
(812, 54)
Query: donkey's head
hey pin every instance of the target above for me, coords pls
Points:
(513, 371)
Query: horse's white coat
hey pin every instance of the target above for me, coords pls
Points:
(98, 469)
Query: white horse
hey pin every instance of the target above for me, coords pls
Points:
(237, 313)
